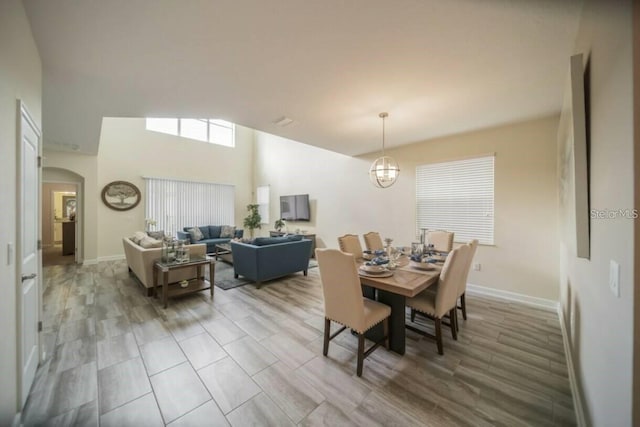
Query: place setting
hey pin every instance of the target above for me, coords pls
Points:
(426, 258)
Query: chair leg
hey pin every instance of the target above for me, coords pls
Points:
(413, 315)
(385, 329)
(453, 318)
(327, 328)
(360, 354)
(439, 335)
(464, 306)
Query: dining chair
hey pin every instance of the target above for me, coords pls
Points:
(372, 241)
(473, 245)
(444, 301)
(350, 243)
(344, 303)
(441, 240)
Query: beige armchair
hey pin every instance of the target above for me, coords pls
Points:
(443, 302)
(344, 303)
(372, 241)
(350, 243)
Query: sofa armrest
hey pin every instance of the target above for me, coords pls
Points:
(184, 236)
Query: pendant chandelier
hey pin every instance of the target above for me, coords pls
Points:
(385, 170)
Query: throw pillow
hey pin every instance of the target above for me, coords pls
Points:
(137, 236)
(196, 234)
(158, 235)
(149, 242)
(227, 231)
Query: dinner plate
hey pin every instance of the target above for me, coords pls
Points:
(368, 256)
(385, 273)
(373, 269)
(422, 265)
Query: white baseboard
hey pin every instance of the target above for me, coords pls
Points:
(513, 296)
(89, 262)
(576, 391)
(111, 258)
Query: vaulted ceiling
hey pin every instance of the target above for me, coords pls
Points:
(438, 67)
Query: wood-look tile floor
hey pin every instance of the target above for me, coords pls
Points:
(254, 357)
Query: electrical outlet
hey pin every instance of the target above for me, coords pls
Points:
(477, 266)
(614, 278)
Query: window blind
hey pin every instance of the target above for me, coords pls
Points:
(176, 204)
(457, 196)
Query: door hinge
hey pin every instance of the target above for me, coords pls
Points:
(40, 326)
(39, 161)
(39, 244)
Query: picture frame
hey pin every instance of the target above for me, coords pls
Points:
(69, 205)
(121, 195)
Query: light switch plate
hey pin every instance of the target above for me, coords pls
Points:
(614, 278)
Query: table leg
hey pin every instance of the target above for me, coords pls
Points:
(212, 270)
(396, 322)
(155, 281)
(165, 287)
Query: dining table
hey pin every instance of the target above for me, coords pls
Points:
(407, 281)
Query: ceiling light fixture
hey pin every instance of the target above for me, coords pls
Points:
(385, 170)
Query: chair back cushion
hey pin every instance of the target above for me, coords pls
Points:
(472, 245)
(441, 240)
(343, 301)
(449, 282)
(350, 243)
(372, 241)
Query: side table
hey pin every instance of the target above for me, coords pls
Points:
(195, 285)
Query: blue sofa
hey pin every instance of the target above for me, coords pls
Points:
(211, 235)
(270, 257)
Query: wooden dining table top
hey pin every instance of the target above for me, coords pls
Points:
(406, 280)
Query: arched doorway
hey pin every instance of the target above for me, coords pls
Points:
(62, 216)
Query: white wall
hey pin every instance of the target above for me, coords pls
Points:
(524, 258)
(600, 326)
(128, 152)
(21, 73)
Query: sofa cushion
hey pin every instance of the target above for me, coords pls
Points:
(137, 236)
(204, 229)
(263, 241)
(158, 235)
(196, 234)
(227, 231)
(149, 242)
(214, 231)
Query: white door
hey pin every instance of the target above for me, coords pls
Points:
(28, 255)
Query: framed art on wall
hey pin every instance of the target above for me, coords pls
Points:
(121, 195)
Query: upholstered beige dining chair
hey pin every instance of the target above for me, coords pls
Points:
(443, 302)
(344, 303)
(350, 243)
(472, 245)
(372, 241)
(441, 240)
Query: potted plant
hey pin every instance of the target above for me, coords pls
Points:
(252, 221)
(279, 224)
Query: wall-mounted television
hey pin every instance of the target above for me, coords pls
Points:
(295, 208)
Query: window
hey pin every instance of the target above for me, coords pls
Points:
(262, 198)
(177, 204)
(457, 196)
(209, 130)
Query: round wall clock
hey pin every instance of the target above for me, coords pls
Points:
(121, 195)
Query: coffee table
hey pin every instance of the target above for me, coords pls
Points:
(194, 285)
(223, 252)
